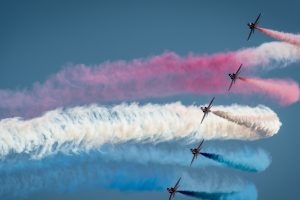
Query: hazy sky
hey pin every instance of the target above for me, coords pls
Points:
(38, 38)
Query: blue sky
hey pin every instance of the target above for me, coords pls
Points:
(38, 38)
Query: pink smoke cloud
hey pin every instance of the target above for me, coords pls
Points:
(290, 38)
(155, 77)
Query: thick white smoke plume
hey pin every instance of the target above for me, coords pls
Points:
(88, 128)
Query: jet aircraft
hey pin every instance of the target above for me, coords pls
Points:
(174, 189)
(196, 152)
(253, 25)
(206, 110)
(234, 76)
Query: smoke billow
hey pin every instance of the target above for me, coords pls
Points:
(85, 176)
(159, 76)
(82, 129)
(246, 159)
(63, 174)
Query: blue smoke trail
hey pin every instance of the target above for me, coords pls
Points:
(247, 193)
(245, 160)
(21, 177)
(229, 163)
(209, 195)
(63, 174)
(84, 176)
(92, 176)
(144, 154)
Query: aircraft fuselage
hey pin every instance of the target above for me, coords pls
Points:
(232, 76)
(171, 190)
(251, 25)
(195, 151)
(205, 109)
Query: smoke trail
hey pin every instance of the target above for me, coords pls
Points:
(243, 159)
(269, 56)
(86, 176)
(293, 39)
(216, 189)
(286, 90)
(259, 118)
(159, 76)
(90, 175)
(249, 193)
(208, 195)
(86, 128)
(221, 159)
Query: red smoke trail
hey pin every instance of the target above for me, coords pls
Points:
(285, 91)
(285, 37)
(159, 76)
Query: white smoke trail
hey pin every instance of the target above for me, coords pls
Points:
(270, 55)
(88, 128)
(260, 118)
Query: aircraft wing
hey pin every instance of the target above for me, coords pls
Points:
(194, 156)
(251, 31)
(203, 117)
(238, 71)
(256, 21)
(210, 104)
(230, 85)
(177, 184)
(200, 144)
